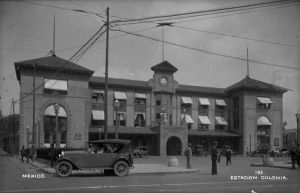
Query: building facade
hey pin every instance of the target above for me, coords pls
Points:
(159, 113)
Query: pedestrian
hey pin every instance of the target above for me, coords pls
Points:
(214, 157)
(228, 156)
(51, 155)
(23, 153)
(298, 156)
(293, 154)
(219, 155)
(188, 155)
(33, 153)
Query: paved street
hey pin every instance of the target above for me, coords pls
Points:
(201, 181)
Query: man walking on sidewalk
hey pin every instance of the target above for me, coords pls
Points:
(228, 156)
(188, 155)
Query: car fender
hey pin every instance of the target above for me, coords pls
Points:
(75, 166)
(122, 158)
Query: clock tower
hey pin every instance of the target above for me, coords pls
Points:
(163, 79)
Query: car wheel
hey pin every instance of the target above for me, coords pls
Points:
(64, 168)
(121, 168)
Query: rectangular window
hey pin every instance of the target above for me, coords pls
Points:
(263, 103)
(139, 101)
(236, 120)
(157, 117)
(139, 120)
(203, 127)
(220, 127)
(98, 98)
(236, 103)
(121, 118)
(97, 118)
(158, 102)
(53, 86)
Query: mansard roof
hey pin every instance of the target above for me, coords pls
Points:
(164, 66)
(52, 63)
(252, 84)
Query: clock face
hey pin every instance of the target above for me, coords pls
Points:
(163, 81)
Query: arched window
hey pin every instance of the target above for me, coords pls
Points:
(263, 133)
(50, 125)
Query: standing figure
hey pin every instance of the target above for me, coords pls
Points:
(293, 156)
(214, 157)
(51, 154)
(188, 155)
(228, 156)
(23, 153)
(219, 155)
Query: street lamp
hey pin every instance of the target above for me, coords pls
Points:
(56, 109)
(117, 106)
(297, 127)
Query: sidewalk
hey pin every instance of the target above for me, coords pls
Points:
(284, 165)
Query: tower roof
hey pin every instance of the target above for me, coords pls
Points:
(164, 66)
(52, 63)
(252, 84)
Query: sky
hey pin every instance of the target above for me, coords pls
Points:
(270, 33)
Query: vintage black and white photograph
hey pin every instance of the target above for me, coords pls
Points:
(150, 96)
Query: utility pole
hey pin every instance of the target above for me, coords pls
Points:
(106, 75)
(14, 125)
(33, 106)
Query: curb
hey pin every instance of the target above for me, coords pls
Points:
(274, 166)
(165, 172)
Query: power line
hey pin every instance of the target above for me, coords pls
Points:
(239, 13)
(112, 37)
(62, 8)
(202, 12)
(22, 50)
(236, 36)
(69, 9)
(63, 66)
(205, 51)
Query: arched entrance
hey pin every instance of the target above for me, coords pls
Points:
(174, 146)
(50, 124)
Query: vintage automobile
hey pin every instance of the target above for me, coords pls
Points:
(108, 155)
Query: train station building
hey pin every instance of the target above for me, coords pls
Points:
(159, 113)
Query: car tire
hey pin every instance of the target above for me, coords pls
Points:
(64, 169)
(121, 168)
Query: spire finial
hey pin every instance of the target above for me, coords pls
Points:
(53, 49)
(247, 64)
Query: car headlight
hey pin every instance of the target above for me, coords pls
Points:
(62, 153)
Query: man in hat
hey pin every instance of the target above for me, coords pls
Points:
(214, 157)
